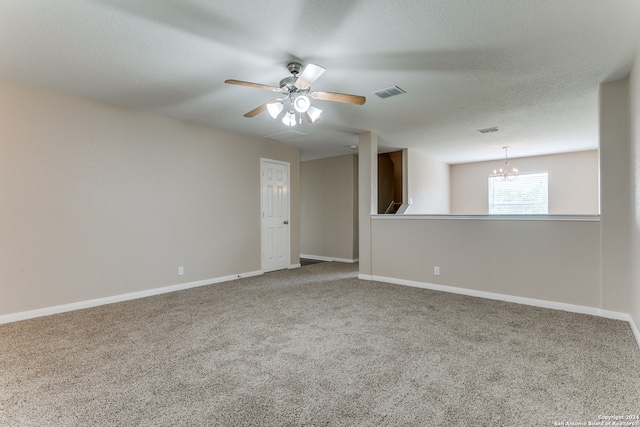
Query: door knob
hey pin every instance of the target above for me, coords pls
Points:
(286, 222)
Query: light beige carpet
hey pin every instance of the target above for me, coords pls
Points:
(316, 346)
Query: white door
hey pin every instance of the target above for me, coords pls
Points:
(275, 214)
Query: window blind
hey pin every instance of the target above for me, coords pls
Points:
(527, 195)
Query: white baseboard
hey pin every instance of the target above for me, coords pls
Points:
(326, 258)
(635, 330)
(8, 318)
(292, 266)
(47, 311)
(594, 311)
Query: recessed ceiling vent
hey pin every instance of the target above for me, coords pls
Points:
(285, 135)
(389, 92)
(488, 130)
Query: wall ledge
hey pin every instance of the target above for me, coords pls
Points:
(589, 218)
(47, 311)
(572, 308)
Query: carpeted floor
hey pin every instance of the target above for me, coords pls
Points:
(315, 346)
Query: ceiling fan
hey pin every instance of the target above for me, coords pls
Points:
(295, 90)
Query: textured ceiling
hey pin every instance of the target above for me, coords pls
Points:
(530, 67)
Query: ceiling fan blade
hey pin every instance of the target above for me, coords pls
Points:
(339, 97)
(256, 85)
(262, 107)
(256, 111)
(309, 75)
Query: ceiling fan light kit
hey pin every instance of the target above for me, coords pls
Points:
(274, 109)
(301, 103)
(297, 90)
(313, 114)
(289, 118)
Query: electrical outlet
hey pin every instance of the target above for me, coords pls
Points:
(180, 271)
(436, 271)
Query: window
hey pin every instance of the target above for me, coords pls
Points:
(527, 195)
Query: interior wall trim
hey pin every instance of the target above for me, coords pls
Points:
(47, 311)
(588, 218)
(572, 308)
(25, 315)
(328, 258)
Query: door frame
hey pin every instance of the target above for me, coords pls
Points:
(287, 252)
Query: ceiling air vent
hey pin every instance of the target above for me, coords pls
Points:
(388, 92)
(488, 130)
(285, 135)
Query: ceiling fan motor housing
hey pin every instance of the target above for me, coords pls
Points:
(288, 84)
(294, 67)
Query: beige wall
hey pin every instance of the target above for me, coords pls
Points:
(428, 185)
(615, 200)
(634, 184)
(548, 260)
(573, 183)
(97, 201)
(328, 206)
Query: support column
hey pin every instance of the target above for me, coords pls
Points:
(367, 197)
(615, 196)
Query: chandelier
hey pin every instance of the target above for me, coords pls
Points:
(299, 104)
(503, 174)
